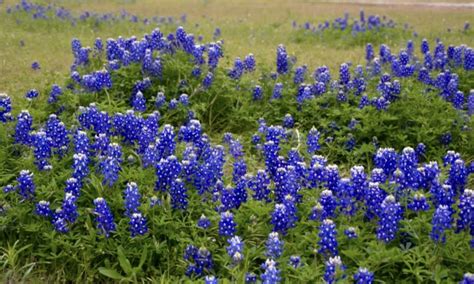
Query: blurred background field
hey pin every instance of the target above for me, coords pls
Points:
(247, 27)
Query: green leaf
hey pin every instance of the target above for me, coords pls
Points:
(124, 262)
(143, 257)
(110, 273)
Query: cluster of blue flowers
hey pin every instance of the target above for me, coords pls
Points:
(188, 167)
(364, 23)
(52, 11)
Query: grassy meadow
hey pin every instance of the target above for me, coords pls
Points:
(305, 151)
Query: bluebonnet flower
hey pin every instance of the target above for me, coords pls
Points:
(364, 101)
(442, 194)
(363, 276)
(270, 152)
(239, 170)
(317, 212)
(334, 268)
(5, 108)
(139, 102)
(300, 72)
(450, 157)
(468, 278)
(69, 208)
(271, 274)
(207, 82)
(43, 209)
(42, 150)
(351, 233)
(259, 185)
(249, 62)
(228, 198)
(240, 192)
(196, 72)
(55, 92)
(81, 143)
(110, 165)
(390, 216)
(468, 59)
(101, 143)
(179, 198)
(98, 45)
(470, 103)
(288, 121)
(332, 177)
(327, 235)
(160, 99)
(57, 133)
(173, 104)
(154, 201)
(80, 166)
(312, 141)
(236, 149)
(167, 171)
(250, 278)
(329, 203)
(23, 128)
(351, 142)
(344, 74)
(277, 91)
(238, 69)
(466, 213)
(458, 100)
(184, 99)
(359, 181)
(424, 46)
(138, 225)
(26, 186)
(110, 168)
(408, 165)
(35, 65)
(420, 149)
(274, 246)
(281, 218)
(353, 123)
(203, 222)
(257, 93)
(9, 188)
(281, 60)
(386, 159)
(59, 222)
(235, 249)
(201, 258)
(441, 222)
(458, 175)
(31, 94)
(418, 203)
(446, 138)
(214, 53)
(369, 52)
(104, 219)
(295, 261)
(73, 186)
(374, 197)
(131, 199)
(210, 279)
(227, 224)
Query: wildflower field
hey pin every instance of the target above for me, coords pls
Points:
(261, 141)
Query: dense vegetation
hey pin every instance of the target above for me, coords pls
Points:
(155, 162)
